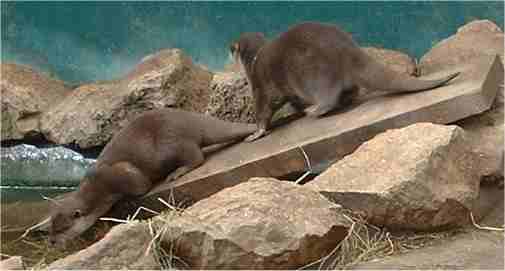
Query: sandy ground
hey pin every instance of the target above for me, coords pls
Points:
(473, 249)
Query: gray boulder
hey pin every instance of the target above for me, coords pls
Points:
(260, 224)
(419, 177)
(26, 94)
(123, 247)
(92, 113)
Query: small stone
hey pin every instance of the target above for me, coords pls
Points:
(123, 247)
(12, 263)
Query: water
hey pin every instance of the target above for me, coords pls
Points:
(26, 165)
(85, 41)
(21, 208)
(28, 173)
(13, 194)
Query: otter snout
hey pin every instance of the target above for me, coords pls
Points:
(56, 242)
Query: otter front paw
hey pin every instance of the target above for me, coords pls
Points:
(179, 172)
(316, 111)
(256, 135)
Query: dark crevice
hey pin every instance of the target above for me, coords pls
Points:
(37, 140)
(293, 176)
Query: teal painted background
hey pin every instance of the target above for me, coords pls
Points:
(83, 41)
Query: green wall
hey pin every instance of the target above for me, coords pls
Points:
(84, 41)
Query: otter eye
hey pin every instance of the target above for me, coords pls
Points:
(77, 213)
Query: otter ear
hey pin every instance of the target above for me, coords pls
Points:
(234, 47)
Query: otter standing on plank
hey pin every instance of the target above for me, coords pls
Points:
(156, 146)
(315, 65)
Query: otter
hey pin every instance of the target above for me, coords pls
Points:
(317, 68)
(155, 146)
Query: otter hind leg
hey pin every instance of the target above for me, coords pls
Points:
(325, 101)
(348, 96)
(263, 118)
(190, 157)
(265, 109)
(297, 104)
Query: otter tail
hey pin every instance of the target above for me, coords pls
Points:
(218, 131)
(376, 76)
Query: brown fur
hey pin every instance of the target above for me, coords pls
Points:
(156, 146)
(315, 67)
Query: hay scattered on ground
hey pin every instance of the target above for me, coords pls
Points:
(366, 242)
(165, 253)
(36, 251)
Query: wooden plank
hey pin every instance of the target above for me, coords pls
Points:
(328, 139)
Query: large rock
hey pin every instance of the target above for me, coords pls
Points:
(123, 247)
(395, 60)
(486, 134)
(473, 40)
(261, 224)
(231, 98)
(173, 72)
(94, 112)
(419, 177)
(477, 39)
(26, 94)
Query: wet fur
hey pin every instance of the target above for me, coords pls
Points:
(156, 146)
(316, 67)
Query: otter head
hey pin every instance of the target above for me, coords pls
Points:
(70, 217)
(75, 212)
(244, 50)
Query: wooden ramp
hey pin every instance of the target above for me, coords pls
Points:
(328, 139)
